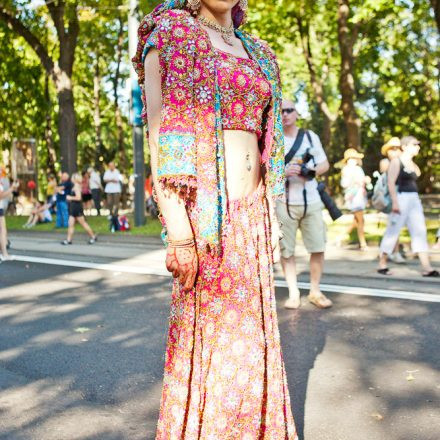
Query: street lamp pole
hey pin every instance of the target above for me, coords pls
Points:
(136, 120)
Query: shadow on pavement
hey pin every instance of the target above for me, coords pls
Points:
(82, 350)
(81, 358)
(362, 368)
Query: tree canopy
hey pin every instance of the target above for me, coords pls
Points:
(361, 71)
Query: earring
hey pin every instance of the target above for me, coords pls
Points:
(194, 6)
(243, 4)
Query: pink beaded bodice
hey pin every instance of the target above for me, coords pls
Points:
(244, 91)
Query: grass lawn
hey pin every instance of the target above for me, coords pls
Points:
(100, 225)
(374, 230)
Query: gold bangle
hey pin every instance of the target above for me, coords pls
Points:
(189, 242)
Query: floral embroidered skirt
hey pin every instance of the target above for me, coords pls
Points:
(224, 371)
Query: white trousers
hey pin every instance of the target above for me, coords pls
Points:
(411, 215)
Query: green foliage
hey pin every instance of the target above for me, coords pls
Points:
(395, 65)
(22, 102)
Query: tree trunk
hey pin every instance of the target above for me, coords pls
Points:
(97, 110)
(66, 123)
(118, 114)
(347, 38)
(436, 7)
(317, 86)
(67, 29)
(48, 134)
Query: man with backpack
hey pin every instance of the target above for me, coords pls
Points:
(302, 209)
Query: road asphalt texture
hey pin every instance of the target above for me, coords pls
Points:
(343, 266)
(82, 351)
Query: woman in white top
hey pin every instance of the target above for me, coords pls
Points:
(353, 181)
(112, 179)
(95, 188)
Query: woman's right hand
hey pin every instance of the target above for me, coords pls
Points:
(183, 263)
(395, 207)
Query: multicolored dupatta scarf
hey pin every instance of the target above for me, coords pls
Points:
(191, 150)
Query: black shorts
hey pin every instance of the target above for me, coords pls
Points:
(86, 197)
(2, 212)
(76, 209)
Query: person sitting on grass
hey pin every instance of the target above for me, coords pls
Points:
(40, 214)
(76, 212)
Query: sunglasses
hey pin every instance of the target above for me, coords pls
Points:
(287, 110)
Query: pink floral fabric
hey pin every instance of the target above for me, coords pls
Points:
(191, 151)
(245, 93)
(224, 372)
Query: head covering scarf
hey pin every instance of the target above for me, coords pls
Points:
(191, 150)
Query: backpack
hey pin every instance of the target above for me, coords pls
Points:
(123, 223)
(381, 199)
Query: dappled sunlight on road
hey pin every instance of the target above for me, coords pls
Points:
(364, 364)
(81, 352)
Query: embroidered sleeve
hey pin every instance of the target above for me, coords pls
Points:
(173, 36)
(273, 148)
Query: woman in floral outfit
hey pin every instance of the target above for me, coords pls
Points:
(212, 105)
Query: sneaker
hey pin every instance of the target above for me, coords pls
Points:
(93, 240)
(397, 258)
(66, 242)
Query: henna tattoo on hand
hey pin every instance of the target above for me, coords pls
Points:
(183, 263)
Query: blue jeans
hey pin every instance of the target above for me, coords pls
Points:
(62, 214)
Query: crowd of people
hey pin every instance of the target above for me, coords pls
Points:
(399, 174)
(68, 199)
(68, 202)
(305, 159)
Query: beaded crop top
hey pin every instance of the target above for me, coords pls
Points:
(244, 92)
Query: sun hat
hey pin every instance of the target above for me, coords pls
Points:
(351, 153)
(394, 142)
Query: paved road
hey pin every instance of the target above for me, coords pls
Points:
(343, 266)
(81, 358)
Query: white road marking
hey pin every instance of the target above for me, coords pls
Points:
(110, 267)
(332, 288)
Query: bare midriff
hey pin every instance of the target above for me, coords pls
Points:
(241, 182)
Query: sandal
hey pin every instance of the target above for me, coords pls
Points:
(292, 303)
(320, 301)
(384, 271)
(433, 274)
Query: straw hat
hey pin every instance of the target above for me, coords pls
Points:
(351, 153)
(394, 142)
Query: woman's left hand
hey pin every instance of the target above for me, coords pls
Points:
(183, 264)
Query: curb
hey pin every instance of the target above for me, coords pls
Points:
(117, 237)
